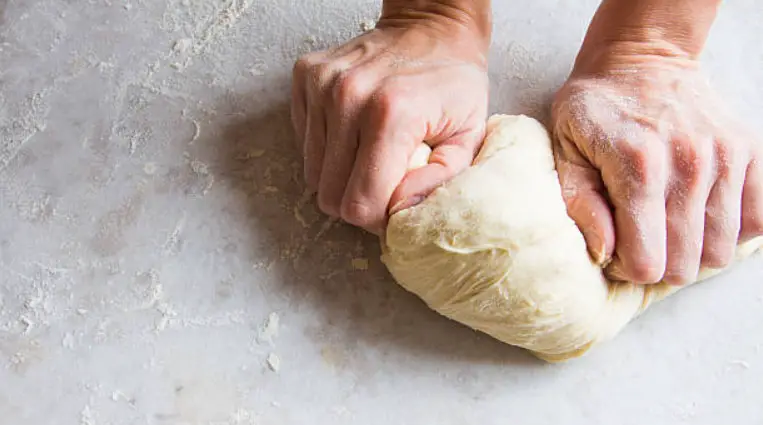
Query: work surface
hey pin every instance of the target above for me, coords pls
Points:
(160, 265)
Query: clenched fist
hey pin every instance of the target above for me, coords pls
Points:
(361, 110)
(655, 171)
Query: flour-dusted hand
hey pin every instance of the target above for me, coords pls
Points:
(362, 109)
(657, 174)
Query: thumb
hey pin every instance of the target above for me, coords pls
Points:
(587, 205)
(446, 160)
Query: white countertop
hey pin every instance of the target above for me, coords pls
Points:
(151, 220)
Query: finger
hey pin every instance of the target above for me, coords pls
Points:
(636, 188)
(387, 140)
(347, 98)
(299, 101)
(752, 202)
(587, 206)
(685, 224)
(315, 140)
(723, 213)
(446, 160)
(692, 180)
(319, 78)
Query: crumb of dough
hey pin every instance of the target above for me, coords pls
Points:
(274, 362)
(367, 25)
(269, 329)
(360, 264)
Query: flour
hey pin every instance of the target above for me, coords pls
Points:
(182, 45)
(269, 330)
(118, 395)
(173, 244)
(35, 209)
(243, 417)
(68, 341)
(150, 168)
(204, 22)
(15, 132)
(202, 171)
(226, 319)
(32, 310)
(86, 416)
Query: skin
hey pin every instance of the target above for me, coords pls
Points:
(655, 171)
(364, 107)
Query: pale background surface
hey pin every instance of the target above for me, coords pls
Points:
(150, 221)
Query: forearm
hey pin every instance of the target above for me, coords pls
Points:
(473, 16)
(675, 28)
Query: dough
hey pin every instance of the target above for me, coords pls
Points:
(495, 250)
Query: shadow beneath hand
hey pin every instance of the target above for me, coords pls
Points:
(320, 265)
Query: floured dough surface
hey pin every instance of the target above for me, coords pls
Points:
(495, 250)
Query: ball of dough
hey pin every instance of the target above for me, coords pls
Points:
(495, 250)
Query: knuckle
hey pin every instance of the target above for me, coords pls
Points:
(356, 212)
(304, 64)
(387, 103)
(646, 271)
(724, 169)
(752, 204)
(573, 107)
(727, 159)
(717, 257)
(349, 88)
(300, 67)
(320, 74)
(690, 164)
(642, 167)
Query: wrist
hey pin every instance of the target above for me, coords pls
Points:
(675, 30)
(460, 18)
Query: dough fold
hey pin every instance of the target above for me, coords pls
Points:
(495, 250)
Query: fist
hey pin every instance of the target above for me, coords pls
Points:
(361, 110)
(658, 175)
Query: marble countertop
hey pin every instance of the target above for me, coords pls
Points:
(159, 263)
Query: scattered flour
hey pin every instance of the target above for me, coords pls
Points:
(68, 341)
(16, 131)
(86, 416)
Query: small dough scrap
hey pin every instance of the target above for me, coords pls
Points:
(495, 250)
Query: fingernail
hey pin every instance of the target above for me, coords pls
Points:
(406, 203)
(598, 249)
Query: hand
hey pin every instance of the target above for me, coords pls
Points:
(657, 174)
(361, 110)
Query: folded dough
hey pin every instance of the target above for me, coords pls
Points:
(495, 250)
